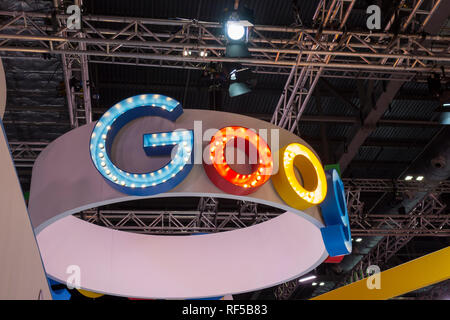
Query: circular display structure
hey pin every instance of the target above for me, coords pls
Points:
(69, 177)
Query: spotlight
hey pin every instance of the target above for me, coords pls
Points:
(444, 117)
(439, 87)
(358, 239)
(314, 284)
(241, 79)
(236, 29)
(419, 178)
(322, 284)
(408, 178)
(238, 89)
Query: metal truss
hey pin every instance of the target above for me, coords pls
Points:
(286, 289)
(354, 205)
(174, 223)
(161, 43)
(416, 221)
(425, 219)
(191, 222)
(76, 79)
(303, 53)
(295, 96)
(208, 219)
(208, 205)
(390, 89)
(393, 225)
(303, 79)
(364, 223)
(25, 153)
(387, 185)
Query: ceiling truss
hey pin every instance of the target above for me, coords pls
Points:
(160, 42)
(417, 219)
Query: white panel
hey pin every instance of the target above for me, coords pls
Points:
(22, 274)
(147, 266)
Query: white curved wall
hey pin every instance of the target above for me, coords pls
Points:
(22, 274)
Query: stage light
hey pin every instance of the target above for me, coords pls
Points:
(241, 80)
(311, 277)
(408, 178)
(358, 239)
(238, 89)
(439, 88)
(322, 284)
(314, 284)
(419, 178)
(235, 30)
(444, 117)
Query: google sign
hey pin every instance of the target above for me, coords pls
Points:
(146, 146)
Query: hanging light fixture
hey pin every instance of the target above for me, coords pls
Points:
(236, 30)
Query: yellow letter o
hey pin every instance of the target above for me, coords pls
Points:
(287, 185)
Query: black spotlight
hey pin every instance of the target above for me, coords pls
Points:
(445, 107)
(241, 81)
(439, 87)
(236, 29)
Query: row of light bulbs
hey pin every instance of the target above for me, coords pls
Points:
(418, 178)
(187, 52)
